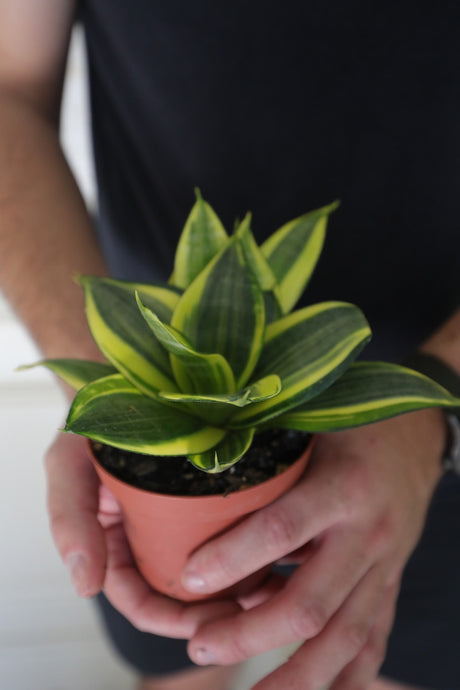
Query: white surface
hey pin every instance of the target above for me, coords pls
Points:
(76, 139)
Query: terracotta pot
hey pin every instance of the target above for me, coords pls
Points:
(164, 530)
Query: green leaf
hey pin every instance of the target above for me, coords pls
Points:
(293, 251)
(202, 238)
(75, 372)
(195, 372)
(217, 409)
(308, 350)
(260, 268)
(159, 296)
(115, 412)
(223, 312)
(122, 334)
(367, 392)
(226, 453)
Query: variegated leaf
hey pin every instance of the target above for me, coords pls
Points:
(122, 334)
(115, 412)
(308, 349)
(218, 409)
(367, 392)
(293, 251)
(223, 312)
(261, 269)
(194, 372)
(226, 453)
(202, 238)
(75, 372)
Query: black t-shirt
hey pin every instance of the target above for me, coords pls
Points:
(278, 108)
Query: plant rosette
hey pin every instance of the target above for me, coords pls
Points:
(200, 365)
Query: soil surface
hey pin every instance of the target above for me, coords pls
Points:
(271, 453)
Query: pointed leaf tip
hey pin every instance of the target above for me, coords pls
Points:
(293, 252)
(202, 238)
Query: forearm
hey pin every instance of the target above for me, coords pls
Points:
(45, 233)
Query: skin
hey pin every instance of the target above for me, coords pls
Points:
(351, 523)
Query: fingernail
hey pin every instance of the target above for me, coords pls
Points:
(204, 656)
(194, 582)
(78, 567)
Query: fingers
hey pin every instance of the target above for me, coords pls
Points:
(73, 499)
(148, 611)
(272, 585)
(265, 537)
(109, 509)
(86, 526)
(363, 669)
(319, 660)
(297, 612)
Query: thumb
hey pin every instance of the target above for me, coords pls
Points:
(73, 501)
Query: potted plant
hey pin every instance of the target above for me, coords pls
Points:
(208, 373)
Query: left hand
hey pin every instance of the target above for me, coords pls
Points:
(87, 526)
(352, 523)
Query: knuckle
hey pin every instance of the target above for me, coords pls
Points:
(383, 535)
(136, 614)
(58, 525)
(356, 636)
(301, 683)
(296, 684)
(237, 649)
(280, 531)
(376, 655)
(308, 620)
(224, 565)
(354, 492)
(140, 624)
(375, 650)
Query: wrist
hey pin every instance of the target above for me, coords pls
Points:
(440, 371)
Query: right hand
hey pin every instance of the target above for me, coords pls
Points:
(87, 527)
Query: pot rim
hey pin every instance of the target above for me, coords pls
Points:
(252, 490)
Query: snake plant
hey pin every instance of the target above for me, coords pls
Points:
(198, 365)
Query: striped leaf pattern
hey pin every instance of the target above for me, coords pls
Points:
(122, 334)
(308, 350)
(219, 409)
(231, 449)
(195, 372)
(112, 410)
(261, 270)
(367, 392)
(223, 312)
(76, 372)
(202, 238)
(293, 251)
(196, 366)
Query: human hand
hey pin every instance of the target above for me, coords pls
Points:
(351, 523)
(87, 527)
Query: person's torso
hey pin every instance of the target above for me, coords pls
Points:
(279, 108)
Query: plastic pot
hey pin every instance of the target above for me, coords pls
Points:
(164, 530)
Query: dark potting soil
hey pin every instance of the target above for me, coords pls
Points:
(270, 454)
